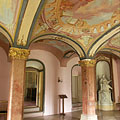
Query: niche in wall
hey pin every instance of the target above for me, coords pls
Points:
(102, 67)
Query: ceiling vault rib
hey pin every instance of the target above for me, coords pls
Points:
(34, 20)
(24, 5)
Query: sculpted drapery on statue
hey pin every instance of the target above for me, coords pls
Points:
(104, 84)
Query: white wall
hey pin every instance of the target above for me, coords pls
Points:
(4, 75)
(65, 86)
(52, 87)
(51, 73)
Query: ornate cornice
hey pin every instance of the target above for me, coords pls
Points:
(87, 62)
(18, 53)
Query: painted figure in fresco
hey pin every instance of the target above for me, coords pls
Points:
(105, 91)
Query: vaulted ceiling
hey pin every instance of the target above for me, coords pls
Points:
(87, 26)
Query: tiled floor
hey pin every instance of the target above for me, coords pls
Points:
(102, 115)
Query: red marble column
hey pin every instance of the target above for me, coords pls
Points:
(16, 95)
(88, 88)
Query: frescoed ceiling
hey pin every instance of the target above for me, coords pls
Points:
(82, 20)
(65, 49)
(57, 44)
(89, 26)
(113, 45)
(115, 41)
(9, 10)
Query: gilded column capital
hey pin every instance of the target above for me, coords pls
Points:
(18, 53)
(87, 62)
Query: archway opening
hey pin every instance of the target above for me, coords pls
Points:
(76, 87)
(58, 57)
(34, 86)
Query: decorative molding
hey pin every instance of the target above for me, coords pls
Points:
(21, 41)
(87, 62)
(18, 53)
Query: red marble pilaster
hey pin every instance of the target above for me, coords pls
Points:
(88, 87)
(16, 95)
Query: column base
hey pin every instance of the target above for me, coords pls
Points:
(88, 117)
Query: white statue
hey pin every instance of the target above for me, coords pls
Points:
(104, 92)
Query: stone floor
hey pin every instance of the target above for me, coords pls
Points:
(102, 115)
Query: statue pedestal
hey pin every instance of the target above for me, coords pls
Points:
(105, 107)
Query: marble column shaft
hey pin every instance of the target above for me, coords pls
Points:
(88, 86)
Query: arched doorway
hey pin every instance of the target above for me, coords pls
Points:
(58, 57)
(76, 86)
(34, 86)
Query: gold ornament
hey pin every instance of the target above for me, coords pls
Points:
(87, 62)
(18, 53)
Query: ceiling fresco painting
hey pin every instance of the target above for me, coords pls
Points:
(8, 13)
(57, 44)
(115, 41)
(91, 11)
(112, 45)
(86, 26)
(82, 20)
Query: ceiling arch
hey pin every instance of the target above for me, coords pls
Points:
(111, 51)
(62, 51)
(80, 51)
(7, 38)
(95, 47)
(75, 22)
